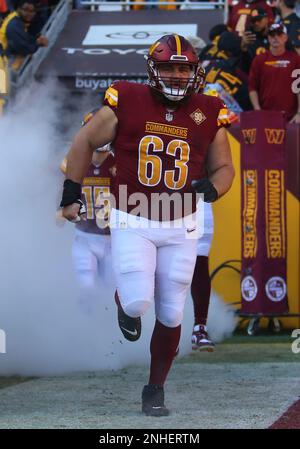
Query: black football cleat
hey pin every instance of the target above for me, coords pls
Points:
(130, 327)
(153, 398)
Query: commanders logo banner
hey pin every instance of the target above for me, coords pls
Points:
(250, 213)
(275, 216)
(264, 244)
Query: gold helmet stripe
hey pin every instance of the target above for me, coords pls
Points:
(178, 44)
(153, 47)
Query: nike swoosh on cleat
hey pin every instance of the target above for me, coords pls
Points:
(130, 332)
(190, 230)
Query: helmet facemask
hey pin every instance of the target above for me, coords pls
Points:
(174, 88)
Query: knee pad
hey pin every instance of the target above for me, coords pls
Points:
(182, 269)
(136, 309)
(85, 279)
(170, 316)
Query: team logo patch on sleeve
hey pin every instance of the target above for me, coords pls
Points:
(198, 116)
(223, 117)
(111, 95)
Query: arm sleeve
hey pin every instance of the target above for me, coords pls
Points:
(19, 41)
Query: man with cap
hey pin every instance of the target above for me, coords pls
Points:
(241, 11)
(290, 19)
(255, 38)
(271, 78)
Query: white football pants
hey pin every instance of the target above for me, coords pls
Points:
(205, 214)
(150, 260)
(88, 252)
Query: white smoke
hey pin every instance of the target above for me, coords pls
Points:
(46, 331)
(221, 320)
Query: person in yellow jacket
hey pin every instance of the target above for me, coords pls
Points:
(16, 36)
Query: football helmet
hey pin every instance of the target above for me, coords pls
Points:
(174, 49)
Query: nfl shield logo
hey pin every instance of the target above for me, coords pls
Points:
(169, 116)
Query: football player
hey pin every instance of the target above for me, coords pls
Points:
(166, 136)
(92, 236)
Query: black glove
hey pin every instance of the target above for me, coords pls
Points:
(71, 193)
(207, 188)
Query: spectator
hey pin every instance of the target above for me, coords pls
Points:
(239, 16)
(226, 72)
(16, 36)
(255, 38)
(291, 21)
(270, 76)
(210, 51)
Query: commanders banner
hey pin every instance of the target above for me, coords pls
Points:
(264, 239)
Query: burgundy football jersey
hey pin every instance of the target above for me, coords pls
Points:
(96, 194)
(158, 150)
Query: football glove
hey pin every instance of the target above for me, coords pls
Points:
(206, 187)
(71, 195)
